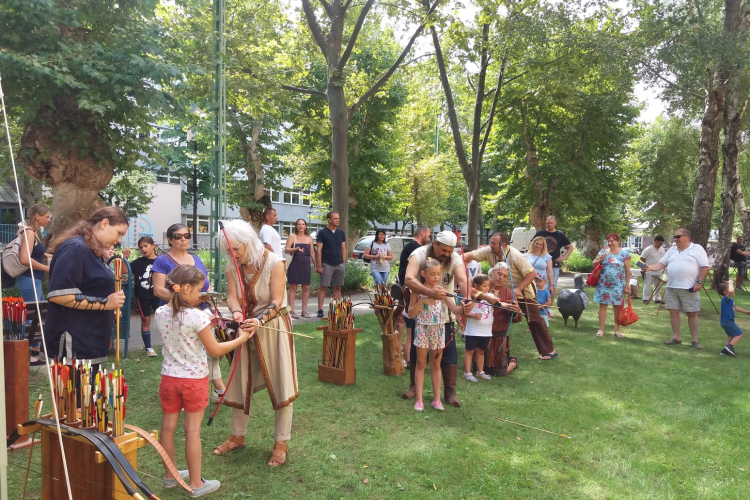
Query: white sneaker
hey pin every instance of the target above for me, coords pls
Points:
(171, 483)
(209, 486)
(216, 396)
(151, 353)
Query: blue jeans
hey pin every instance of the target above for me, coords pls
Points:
(380, 277)
(26, 285)
(556, 273)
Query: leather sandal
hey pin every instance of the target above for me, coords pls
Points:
(278, 456)
(231, 444)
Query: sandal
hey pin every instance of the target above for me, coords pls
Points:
(484, 376)
(619, 335)
(231, 444)
(471, 378)
(600, 333)
(305, 314)
(548, 357)
(278, 456)
(294, 315)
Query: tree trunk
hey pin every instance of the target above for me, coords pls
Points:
(542, 208)
(743, 212)
(593, 242)
(253, 164)
(733, 113)
(735, 21)
(75, 176)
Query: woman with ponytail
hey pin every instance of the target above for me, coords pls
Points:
(30, 282)
(82, 297)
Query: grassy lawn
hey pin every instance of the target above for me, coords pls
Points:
(647, 421)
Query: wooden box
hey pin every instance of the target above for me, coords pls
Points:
(339, 349)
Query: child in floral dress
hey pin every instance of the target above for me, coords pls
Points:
(429, 334)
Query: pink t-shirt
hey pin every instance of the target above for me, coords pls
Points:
(183, 351)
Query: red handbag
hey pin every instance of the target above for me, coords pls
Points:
(593, 278)
(627, 315)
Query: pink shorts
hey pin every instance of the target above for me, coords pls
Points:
(178, 393)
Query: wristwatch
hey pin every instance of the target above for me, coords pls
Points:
(699, 282)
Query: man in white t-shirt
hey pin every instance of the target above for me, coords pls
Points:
(687, 266)
(650, 256)
(268, 235)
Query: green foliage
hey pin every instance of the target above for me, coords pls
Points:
(356, 278)
(131, 191)
(578, 263)
(94, 72)
(665, 161)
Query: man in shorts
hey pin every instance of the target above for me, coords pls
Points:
(331, 245)
(687, 266)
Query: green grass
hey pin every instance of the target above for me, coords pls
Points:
(646, 421)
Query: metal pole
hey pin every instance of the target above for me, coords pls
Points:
(218, 148)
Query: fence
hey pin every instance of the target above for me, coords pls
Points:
(7, 233)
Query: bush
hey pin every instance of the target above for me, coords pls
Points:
(485, 267)
(356, 278)
(578, 263)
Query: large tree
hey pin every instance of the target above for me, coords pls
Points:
(330, 38)
(89, 79)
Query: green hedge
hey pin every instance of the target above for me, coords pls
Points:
(357, 278)
(578, 263)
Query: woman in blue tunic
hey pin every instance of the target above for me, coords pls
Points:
(613, 282)
(82, 296)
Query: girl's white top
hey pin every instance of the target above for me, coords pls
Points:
(183, 351)
(480, 327)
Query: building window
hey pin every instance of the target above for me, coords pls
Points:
(287, 197)
(167, 176)
(306, 199)
(203, 223)
(295, 198)
(275, 195)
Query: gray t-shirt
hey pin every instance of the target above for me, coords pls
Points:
(376, 250)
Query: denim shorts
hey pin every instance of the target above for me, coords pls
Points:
(732, 329)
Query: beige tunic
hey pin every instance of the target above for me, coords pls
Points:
(268, 359)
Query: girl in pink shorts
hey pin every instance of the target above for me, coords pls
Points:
(187, 334)
(429, 334)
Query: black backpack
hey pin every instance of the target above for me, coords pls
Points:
(367, 261)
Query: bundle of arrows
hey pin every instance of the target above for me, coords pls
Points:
(97, 400)
(14, 318)
(341, 314)
(382, 297)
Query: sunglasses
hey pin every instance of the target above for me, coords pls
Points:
(678, 236)
(183, 236)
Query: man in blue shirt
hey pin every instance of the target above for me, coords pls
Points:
(331, 245)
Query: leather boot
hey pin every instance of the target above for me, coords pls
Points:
(449, 382)
(412, 392)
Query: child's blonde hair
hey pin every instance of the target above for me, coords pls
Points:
(431, 262)
(183, 275)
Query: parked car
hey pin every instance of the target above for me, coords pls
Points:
(636, 251)
(359, 248)
(397, 245)
(521, 237)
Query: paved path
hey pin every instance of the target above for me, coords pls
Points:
(136, 341)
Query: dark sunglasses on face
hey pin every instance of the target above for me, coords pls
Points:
(678, 236)
(178, 237)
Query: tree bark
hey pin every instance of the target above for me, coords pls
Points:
(253, 164)
(593, 242)
(735, 21)
(195, 206)
(542, 207)
(75, 176)
(743, 212)
(340, 114)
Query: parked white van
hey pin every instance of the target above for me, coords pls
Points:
(521, 238)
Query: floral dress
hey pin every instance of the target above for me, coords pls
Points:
(611, 286)
(430, 331)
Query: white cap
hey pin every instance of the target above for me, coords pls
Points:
(447, 238)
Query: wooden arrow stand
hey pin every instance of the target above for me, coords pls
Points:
(91, 477)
